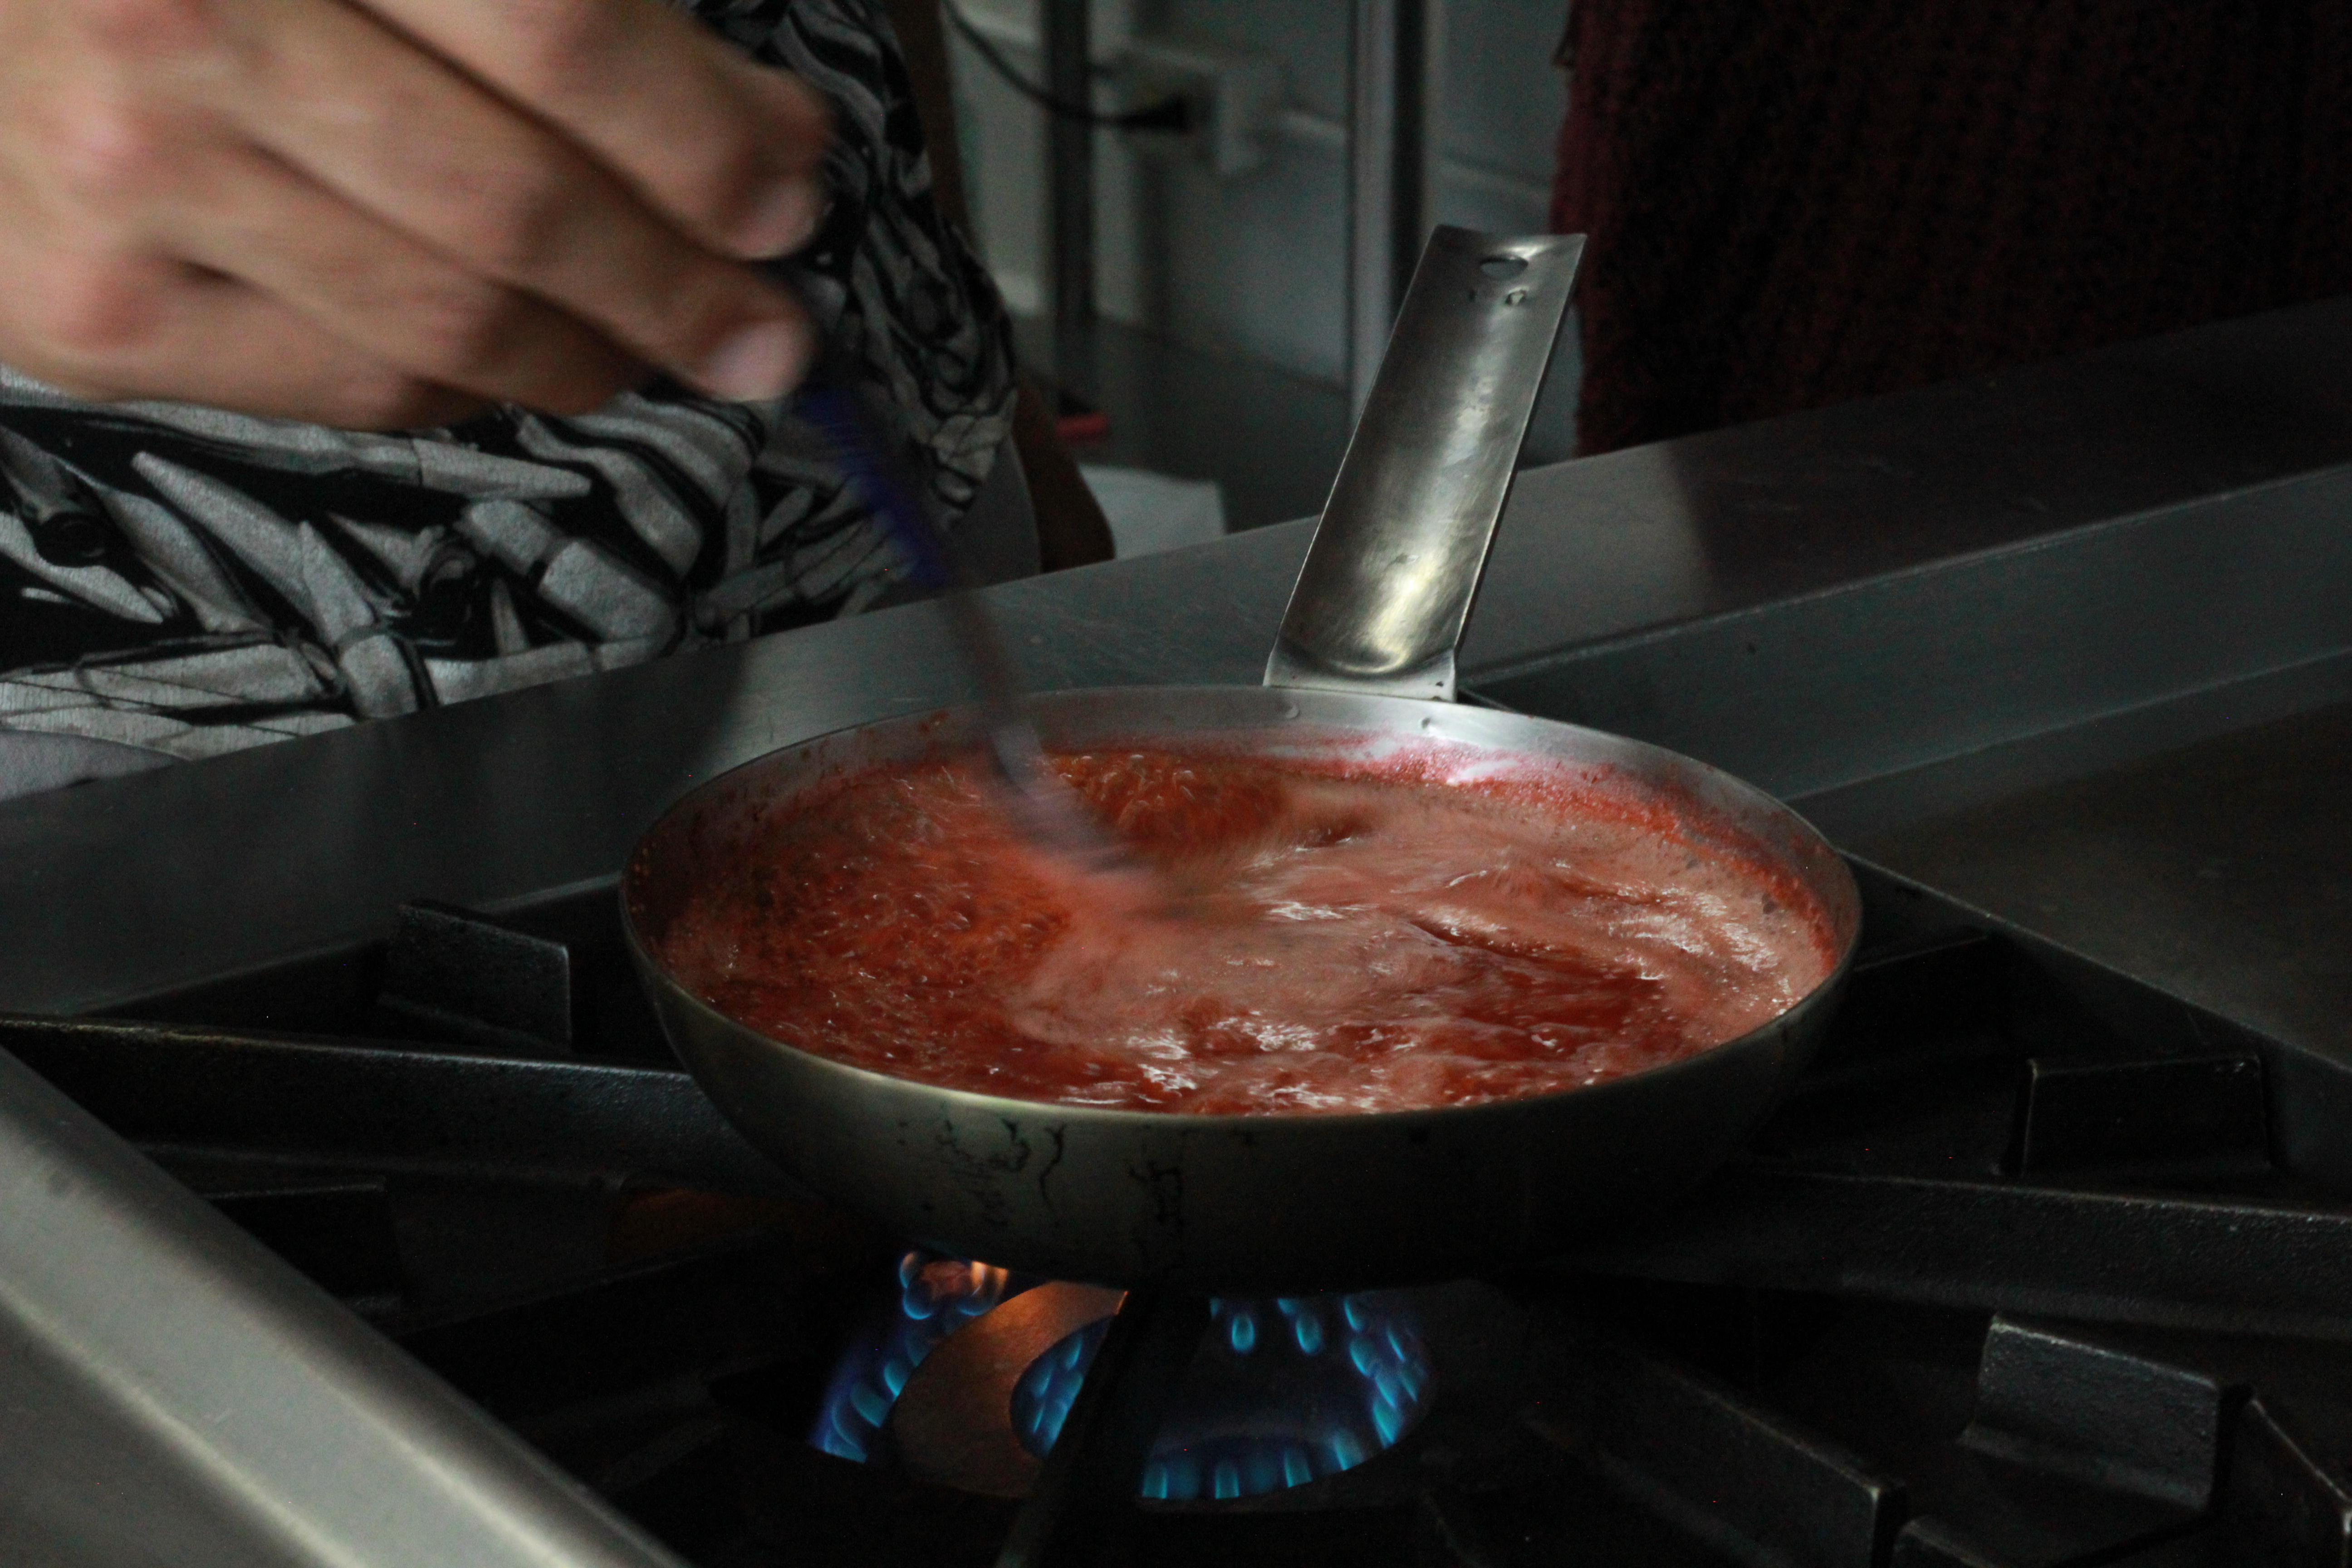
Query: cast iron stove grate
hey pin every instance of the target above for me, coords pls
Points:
(2040, 1266)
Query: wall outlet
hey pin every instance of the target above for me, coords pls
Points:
(1234, 98)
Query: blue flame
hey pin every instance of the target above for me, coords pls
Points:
(1260, 1411)
(1284, 1390)
(937, 1296)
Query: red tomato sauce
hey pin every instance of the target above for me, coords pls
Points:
(1365, 938)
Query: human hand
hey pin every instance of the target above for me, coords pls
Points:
(392, 213)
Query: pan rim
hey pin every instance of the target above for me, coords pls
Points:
(1236, 1123)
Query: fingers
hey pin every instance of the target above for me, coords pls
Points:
(398, 302)
(163, 329)
(87, 306)
(307, 209)
(404, 137)
(727, 149)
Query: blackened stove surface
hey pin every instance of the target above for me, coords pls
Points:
(2038, 1267)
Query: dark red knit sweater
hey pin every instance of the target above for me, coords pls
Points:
(1796, 201)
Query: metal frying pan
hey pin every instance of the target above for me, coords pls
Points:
(1296, 1203)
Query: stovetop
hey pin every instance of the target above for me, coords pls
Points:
(2038, 1266)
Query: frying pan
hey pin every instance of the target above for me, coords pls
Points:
(1284, 1203)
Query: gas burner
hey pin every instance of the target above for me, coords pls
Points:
(953, 1425)
(1284, 1391)
(968, 1376)
(935, 1297)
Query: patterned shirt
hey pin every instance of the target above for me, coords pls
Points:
(178, 582)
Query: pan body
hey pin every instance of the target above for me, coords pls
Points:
(1263, 1203)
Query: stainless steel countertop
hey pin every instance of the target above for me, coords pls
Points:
(1889, 610)
(2224, 867)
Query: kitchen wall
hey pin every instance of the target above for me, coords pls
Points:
(1254, 264)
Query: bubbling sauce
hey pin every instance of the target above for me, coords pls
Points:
(1365, 938)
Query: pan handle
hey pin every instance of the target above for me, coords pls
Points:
(1387, 586)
